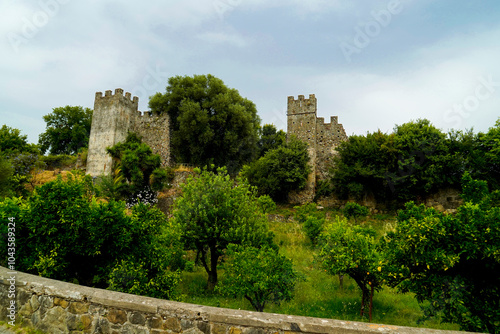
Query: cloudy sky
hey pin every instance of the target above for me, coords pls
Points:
(373, 63)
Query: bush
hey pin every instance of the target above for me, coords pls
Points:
(354, 210)
(313, 226)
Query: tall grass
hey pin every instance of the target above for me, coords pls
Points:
(320, 295)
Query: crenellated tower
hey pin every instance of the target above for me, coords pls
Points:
(111, 122)
(322, 139)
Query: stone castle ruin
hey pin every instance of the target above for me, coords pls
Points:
(322, 139)
(117, 114)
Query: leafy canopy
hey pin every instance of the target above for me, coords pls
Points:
(68, 235)
(214, 212)
(260, 275)
(211, 123)
(451, 260)
(280, 170)
(67, 131)
(13, 143)
(137, 170)
(352, 250)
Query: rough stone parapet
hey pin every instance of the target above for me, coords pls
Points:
(59, 307)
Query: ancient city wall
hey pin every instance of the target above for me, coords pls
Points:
(110, 124)
(60, 307)
(155, 131)
(329, 136)
(322, 138)
(114, 116)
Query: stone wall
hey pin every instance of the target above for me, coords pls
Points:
(60, 307)
(111, 121)
(322, 139)
(155, 131)
(114, 116)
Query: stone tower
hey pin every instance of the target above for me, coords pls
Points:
(111, 121)
(322, 139)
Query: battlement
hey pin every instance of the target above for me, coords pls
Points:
(118, 95)
(302, 105)
(334, 120)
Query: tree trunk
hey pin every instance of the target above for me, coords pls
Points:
(212, 275)
(371, 302)
(341, 281)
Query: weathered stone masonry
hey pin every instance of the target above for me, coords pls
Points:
(116, 115)
(322, 139)
(60, 307)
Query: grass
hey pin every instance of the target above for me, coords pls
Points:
(320, 295)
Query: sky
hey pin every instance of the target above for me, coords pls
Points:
(374, 64)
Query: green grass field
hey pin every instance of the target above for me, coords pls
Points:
(320, 294)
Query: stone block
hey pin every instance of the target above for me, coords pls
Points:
(61, 302)
(137, 318)
(35, 304)
(78, 307)
(116, 316)
(172, 324)
(218, 329)
(155, 322)
(235, 330)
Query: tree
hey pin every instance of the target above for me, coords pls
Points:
(270, 138)
(489, 149)
(280, 170)
(214, 212)
(137, 169)
(259, 275)
(211, 123)
(352, 250)
(408, 164)
(12, 143)
(354, 210)
(6, 172)
(67, 131)
(451, 260)
(67, 234)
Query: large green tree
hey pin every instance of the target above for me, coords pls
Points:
(261, 276)
(67, 234)
(352, 250)
(13, 143)
(67, 131)
(214, 212)
(452, 261)
(270, 138)
(211, 123)
(280, 170)
(413, 161)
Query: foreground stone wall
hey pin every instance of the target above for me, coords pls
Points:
(60, 307)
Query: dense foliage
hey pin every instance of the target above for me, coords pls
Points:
(211, 123)
(352, 250)
(270, 138)
(13, 143)
(137, 171)
(214, 212)
(261, 276)
(451, 261)
(280, 170)
(18, 159)
(413, 161)
(67, 234)
(67, 131)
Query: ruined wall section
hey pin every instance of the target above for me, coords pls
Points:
(329, 137)
(155, 131)
(111, 122)
(302, 123)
